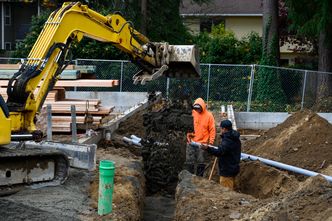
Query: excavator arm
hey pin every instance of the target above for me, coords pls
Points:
(38, 74)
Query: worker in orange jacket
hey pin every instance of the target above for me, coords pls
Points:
(204, 132)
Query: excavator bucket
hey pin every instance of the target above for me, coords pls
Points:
(174, 61)
(183, 62)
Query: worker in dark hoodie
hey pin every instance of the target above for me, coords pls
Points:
(228, 153)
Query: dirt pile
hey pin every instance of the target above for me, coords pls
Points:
(310, 201)
(262, 181)
(164, 146)
(281, 197)
(303, 140)
(200, 199)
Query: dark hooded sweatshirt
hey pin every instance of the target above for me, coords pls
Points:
(229, 154)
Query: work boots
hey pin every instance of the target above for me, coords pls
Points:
(200, 169)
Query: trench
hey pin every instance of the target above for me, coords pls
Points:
(262, 181)
(164, 153)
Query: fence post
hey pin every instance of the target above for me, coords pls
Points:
(121, 77)
(73, 124)
(76, 63)
(49, 122)
(304, 86)
(251, 83)
(167, 87)
(208, 86)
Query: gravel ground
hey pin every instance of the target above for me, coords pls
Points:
(66, 202)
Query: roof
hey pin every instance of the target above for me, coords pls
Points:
(222, 8)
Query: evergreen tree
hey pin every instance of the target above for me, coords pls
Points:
(313, 18)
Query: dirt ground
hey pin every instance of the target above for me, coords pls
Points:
(272, 196)
(262, 192)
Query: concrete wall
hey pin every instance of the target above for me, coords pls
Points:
(261, 120)
(121, 100)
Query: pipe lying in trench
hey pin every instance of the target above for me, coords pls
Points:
(276, 164)
(134, 140)
(134, 137)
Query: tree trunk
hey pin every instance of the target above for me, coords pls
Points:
(270, 30)
(144, 16)
(324, 81)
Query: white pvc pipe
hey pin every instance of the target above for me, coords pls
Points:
(132, 141)
(285, 166)
(275, 164)
(135, 138)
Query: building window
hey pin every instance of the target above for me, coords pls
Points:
(207, 23)
(8, 15)
(8, 46)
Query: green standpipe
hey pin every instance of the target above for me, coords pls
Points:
(106, 184)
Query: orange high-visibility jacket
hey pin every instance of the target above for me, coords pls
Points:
(204, 125)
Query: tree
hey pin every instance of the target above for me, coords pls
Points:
(314, 18)
(271, 50)
(269, 89)
(144, 7)
(163, 23)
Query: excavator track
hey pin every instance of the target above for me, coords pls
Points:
(34, 167)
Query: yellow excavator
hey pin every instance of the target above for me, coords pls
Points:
(28, 88)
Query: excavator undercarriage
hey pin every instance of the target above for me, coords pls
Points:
(27, 166)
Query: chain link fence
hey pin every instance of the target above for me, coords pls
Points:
(283, 89)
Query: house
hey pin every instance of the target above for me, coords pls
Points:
(15, 19)
(239, 16)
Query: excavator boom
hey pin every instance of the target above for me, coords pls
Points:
(28, 88)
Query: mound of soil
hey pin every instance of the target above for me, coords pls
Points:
(310, 201)
(200, 199)
(282, 197)
(303, 140)
(262, 181)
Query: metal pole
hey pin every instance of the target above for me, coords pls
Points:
(208, 86)
(2, 25)
(121, 77)
(38, 8)
(73, 124)
(76, 64)
(167, 87)
(49, 122)
(304, 87)
(251, 83)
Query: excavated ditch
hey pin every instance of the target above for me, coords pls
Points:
(141, 193)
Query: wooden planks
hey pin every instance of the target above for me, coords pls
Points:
(78, 83)
(61, 107)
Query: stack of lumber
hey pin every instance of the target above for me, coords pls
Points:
(71, 72)
(61, 107)
(61, 113)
